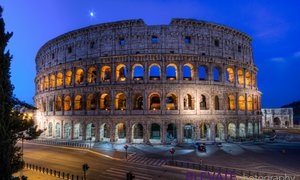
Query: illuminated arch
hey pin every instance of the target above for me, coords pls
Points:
(241, 103)
(67, 103)
(172, 72)
(68, 78)
(172, 101)
(240, 75)
(120, 102)
(231, 102)
(58, 103)
(59, 80)
(78, 102)
(188, 102)
(105, 102)
(248, 78)
(154, 101)
(91, 102)
(121, 72)
(138, 101)
(249, 103)
(46, 83)
(137, 72)
(106, 73)
(253, 79)
(229, 75)
(52, 81)
(188, 72)
(154, 72)
(92, 75)
(79, 76)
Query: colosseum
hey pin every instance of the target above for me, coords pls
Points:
(130, 82)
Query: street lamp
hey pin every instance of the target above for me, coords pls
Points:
(172, 151)
(126, 147)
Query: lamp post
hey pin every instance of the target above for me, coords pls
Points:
(126, 147)
(172, 151)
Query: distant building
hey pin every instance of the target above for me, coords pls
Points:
(277, 118)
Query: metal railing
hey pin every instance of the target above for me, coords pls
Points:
(52, 172)
(62, 143)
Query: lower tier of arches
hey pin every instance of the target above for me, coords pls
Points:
(150, 130)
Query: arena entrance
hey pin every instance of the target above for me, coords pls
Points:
(220, 132)
(67, 131)
(91, 132)
(155, 133)
(231, 131)
(120, 133)
(104, 133)
(171, 133)
(78, 131)
(204, 132)
(188, 133)
(137, 133)
(57, 130)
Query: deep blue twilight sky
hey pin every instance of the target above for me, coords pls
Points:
(274, 26)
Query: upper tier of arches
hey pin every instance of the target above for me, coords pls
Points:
(146, 73)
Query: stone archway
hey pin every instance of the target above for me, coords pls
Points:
(205, 131)
(220, 132)
(137, 133)
(67, 131)
(231, 130)
(188, 133)
(91, 132)
(120, 133)
(242, 130)
(57, 130)
(171, 132)
(50, 129)
(77, 131)
(276, 122)
(155, 133)
(104, 133)
(250, 129)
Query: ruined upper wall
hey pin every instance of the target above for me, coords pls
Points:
(104, 40)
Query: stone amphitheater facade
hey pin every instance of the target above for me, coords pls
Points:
(131, 82)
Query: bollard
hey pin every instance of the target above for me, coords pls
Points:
(68, 176)
(63, 175)
(43, 170)
(58, 173)
(47, 170)
(51, 172)
(77, 178)
(55, 173)
(72, 176)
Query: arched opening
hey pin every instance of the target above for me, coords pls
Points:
(57, 130)
(67, 103)
(248, 78)
(256, 128)
(104, 133)
(50, 105)
(59, 80)
(253, 79)
(105, 102)
(242, 130)
(120, 102)
(217, 103)
(188, 72)
(249, 103)
(155, 131)
(92, 75)
(231, 102)
(154, 100)
(68, 78)
(220, 132)
(241, 103)
(121, 72)
(217, 74)
(120, 132)
(78, 102)
(250, 129)
(91, 102)
(255, 102)
(203, 103)
(138, 101)
(229, 75)
(204, 131)
(50, 129)
(188, 102)
(240, 74)
(106, 74)
(287, 124)
(137, 133)
(52, 81)
(46, 83)
(90, 132)
(171, 101)
(78, 131)
(171, 72)
(67, 131)
(231, 130)
(58, 103)
(188, 133)
(79, 76)
(154, 72)
(41, 84)
(137, 72)
(276, 121)
(202, 73)
(171, 132)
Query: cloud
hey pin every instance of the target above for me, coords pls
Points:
(297, 54)
(278, 59)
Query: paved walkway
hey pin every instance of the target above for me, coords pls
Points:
(33, 175)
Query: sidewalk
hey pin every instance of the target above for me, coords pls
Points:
(33, 175)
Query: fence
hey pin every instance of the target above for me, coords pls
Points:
(52, 172)
(218, 169)
(62, 143)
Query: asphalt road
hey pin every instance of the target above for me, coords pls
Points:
(71, 161)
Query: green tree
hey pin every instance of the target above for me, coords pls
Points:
(13, 125)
